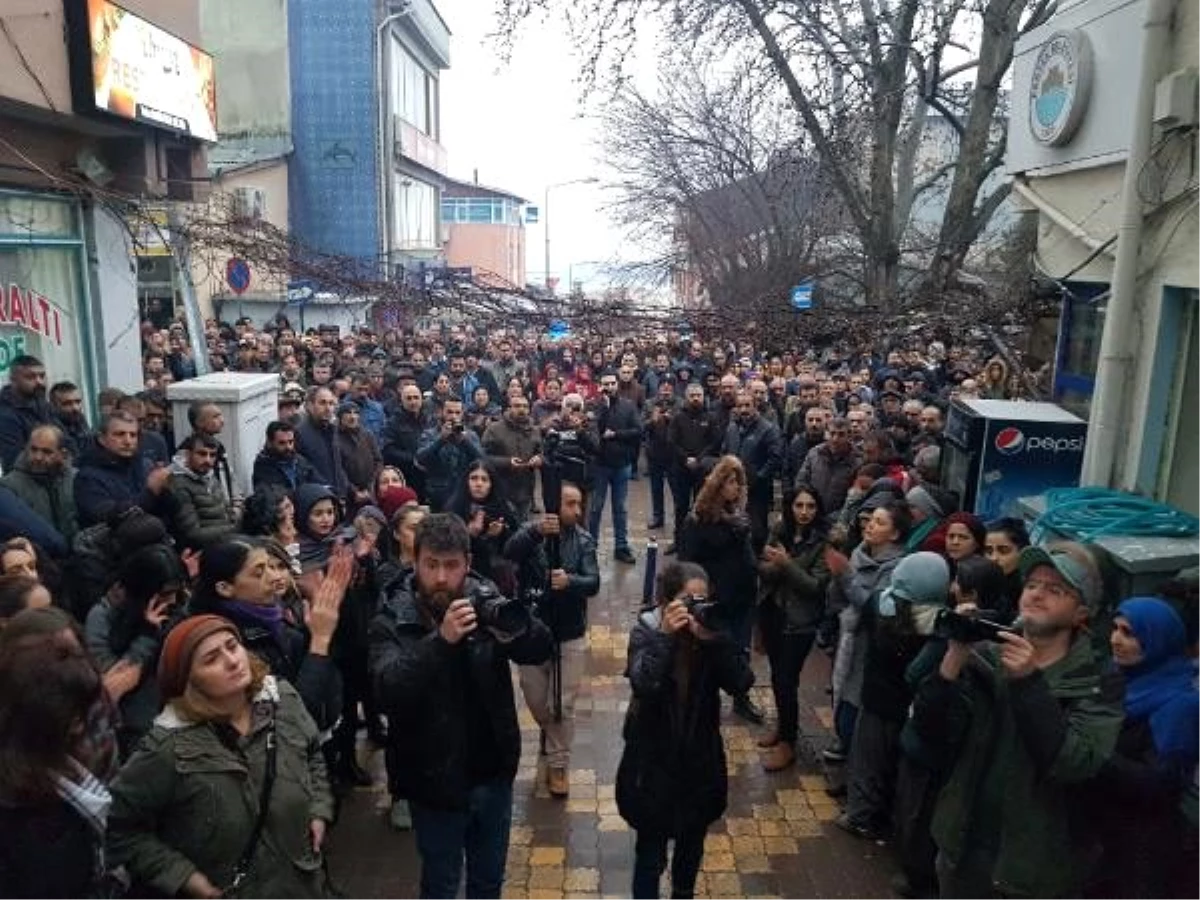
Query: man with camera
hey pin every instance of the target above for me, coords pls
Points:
(440, 649)
(559, 572)
(445, 453)
(569, 443)
(1022, 724)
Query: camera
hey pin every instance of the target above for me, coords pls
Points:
(493, 610)
(954, 626)
(706, 612)
(457, 428)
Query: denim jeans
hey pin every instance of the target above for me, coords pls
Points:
(651, 858)
(480, 833)
(618, 478)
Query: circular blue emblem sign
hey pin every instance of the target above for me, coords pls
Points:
(1059, 87)
(237, 275)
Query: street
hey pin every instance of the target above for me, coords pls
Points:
(777, 838)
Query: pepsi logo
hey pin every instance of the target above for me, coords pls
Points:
(1010, 440)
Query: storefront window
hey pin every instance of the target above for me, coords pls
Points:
(41, 286)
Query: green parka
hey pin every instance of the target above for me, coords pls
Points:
(188, 798)
(1021, 752)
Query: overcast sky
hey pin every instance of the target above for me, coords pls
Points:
(522, 127)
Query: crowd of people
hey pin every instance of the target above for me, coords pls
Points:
(189, 652)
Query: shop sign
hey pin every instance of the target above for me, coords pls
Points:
(27, 309)
(11, 346)
(1059, 87)
(129, 67)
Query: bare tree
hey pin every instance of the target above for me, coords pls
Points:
(861, 77)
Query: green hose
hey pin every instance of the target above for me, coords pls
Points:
(1085, 514)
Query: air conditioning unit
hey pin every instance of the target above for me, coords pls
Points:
(249, 203)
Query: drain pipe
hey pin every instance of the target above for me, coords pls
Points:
(1115, 368)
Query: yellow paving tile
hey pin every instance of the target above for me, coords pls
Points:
(738, 827)
(606, 791)
(512, 891)
(577, 805)
(718, 862)
(724, 884)
(547, 878)
(814, 783)
(747, 845)
(583, 776)
(581, 880)
(612, 823)
(607, 808)
(807, 829)
(800, 813)
(825, 813)
(521, 834)
(584, 792)
(714, 842)
(777, 846)
(755, 864)
(548, 856)
(767, 811)
(772, 828)
(538, 894)
(790, 797)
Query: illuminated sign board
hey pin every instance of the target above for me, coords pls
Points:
(130, 68)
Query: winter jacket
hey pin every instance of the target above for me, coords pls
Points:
(48, 851)
(564, 612)
(402, 438)
(849, 594)
(372, 417)
(1022, 750)
(18, 417)
(440, 698)
(504, 441)
(480, 378)
(288, 474)
(621, 417)
(672, 778)
(659, 452)
(445, 463)
(571, 450)
(694, 433)
(723, 548)
(317, 442)
(200, 512)
(797, 588)
(360, 457)
(187, 801)
(106, 483)
(51, 496)
(759, 446)
(138, 707)
(829, 475)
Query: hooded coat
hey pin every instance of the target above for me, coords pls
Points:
(50, 495)
(200, 511)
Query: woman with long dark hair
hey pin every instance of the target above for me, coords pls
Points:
(672, 781)
(716, 535)
(53, 808)
(125, 630)
(793, 579)
(481, 503)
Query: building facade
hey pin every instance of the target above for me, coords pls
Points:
(94, 131)
(484, 230)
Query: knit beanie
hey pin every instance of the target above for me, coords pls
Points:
(394, 497)
(972, 523)
(920, 498)
(175, 661)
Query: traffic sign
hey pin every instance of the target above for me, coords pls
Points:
(802, 295)
(237, 275)
(300, 292)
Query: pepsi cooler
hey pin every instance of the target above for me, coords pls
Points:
(998, 451)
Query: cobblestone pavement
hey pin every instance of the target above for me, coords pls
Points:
(777, 838)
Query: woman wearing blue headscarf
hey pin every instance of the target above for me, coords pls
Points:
(1148, 790)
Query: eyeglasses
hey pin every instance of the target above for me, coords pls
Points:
(1053, 588)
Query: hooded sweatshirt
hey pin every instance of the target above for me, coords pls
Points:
(315, 549)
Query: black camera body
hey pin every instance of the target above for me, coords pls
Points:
(706, 612)
(953, 626)
(457, 428)
(494, 610)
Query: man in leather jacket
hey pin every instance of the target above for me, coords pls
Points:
(565, 584)
(442, 677)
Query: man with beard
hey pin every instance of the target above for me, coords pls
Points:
(23, 407)
(201, 514)
(799, 447)
(726, 401)
(66, 400)
(759, 445)
(278, 462)
(402, 435)
(620, 433)
(694, 437)
(359, 452)
(445, 452)
(44, 479)
(515, 448)
(113, 477)
(1024, 722)
(316, 439)
(440, 650)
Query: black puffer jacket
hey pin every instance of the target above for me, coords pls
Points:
(564, 612)
(672, 777)
(430, 689)
(723, 548)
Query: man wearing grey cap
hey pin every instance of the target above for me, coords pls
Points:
(1024, 723)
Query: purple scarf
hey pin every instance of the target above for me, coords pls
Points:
(269, 617)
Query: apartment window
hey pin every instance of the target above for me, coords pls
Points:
(416, 207)
(414, 91)
(480, 211)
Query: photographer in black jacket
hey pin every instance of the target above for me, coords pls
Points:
(439, 654)
(559, 571)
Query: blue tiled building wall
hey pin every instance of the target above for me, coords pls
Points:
(332, 174)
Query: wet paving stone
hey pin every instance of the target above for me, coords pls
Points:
(776, 840)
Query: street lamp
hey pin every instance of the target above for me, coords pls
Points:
(591, 179)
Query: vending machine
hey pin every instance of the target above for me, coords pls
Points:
(998, 451)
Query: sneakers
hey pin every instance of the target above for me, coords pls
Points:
(849, 826)
(835, 754)
(744, 708)
(400, 817)
(625, 555)
(557, 782)
(779, 757)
